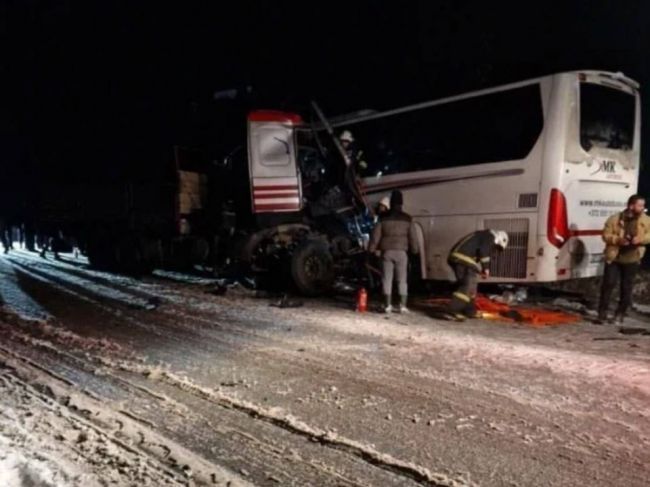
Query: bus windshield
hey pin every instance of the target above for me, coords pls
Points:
(606, 117)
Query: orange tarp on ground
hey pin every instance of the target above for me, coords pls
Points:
(493, 310)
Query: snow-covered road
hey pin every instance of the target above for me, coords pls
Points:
(108, 378)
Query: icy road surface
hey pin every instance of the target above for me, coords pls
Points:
(110, 380)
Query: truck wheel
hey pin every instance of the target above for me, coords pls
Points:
(312, 268)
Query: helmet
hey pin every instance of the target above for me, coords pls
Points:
(346, 136)
(500, 238)
(385, 201)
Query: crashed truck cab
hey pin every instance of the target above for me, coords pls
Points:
(277, 201)
(272, 160)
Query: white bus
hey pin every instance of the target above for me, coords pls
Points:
(547, 160)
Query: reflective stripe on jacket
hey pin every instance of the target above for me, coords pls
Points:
(473, 250)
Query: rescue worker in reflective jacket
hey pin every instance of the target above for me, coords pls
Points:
(469, 258)
(393, 237)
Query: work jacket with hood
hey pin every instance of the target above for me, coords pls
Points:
(614, 236)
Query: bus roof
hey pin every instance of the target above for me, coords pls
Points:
(356, 117)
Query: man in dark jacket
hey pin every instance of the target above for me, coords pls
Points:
(393, 236)
(469, 258)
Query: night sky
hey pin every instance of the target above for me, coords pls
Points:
(101, 89)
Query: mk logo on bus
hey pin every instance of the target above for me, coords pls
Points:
(606, 166)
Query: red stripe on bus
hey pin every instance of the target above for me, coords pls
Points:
(258, 196)
(406, 183)
(275, 187)
(277, 206)
(586, 233)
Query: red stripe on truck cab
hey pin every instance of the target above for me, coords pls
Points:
(263, 196)
(274, 116)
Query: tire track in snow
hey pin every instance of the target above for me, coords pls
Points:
(110, 370)
(75, 287)
(104, 293)
(370, 458)
(118, 311)
(14, 298)
(287, 422)
(297, 426)
(140, 287)
(457, 342)
(174, 300)
(185, 467)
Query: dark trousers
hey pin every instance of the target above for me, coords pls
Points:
(5, 239)
(463, 300)
(624, 274)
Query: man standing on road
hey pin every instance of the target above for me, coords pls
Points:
(626, 234)
(5, 238)
(469, 258)
(393, 236)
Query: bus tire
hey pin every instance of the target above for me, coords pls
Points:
(312, 268)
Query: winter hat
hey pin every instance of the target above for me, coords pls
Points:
(385, 202)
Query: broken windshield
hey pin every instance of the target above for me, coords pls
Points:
(606, 117)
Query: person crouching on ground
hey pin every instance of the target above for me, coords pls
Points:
(393, 236)
(625, 234)
(469, 258)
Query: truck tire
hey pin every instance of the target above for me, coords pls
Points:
(312, 268)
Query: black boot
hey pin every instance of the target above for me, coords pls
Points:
(619, 318)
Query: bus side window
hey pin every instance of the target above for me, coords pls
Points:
(500, 126)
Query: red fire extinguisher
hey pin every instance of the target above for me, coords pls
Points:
(362, 300)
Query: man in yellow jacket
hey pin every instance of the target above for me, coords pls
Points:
(626, 234)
